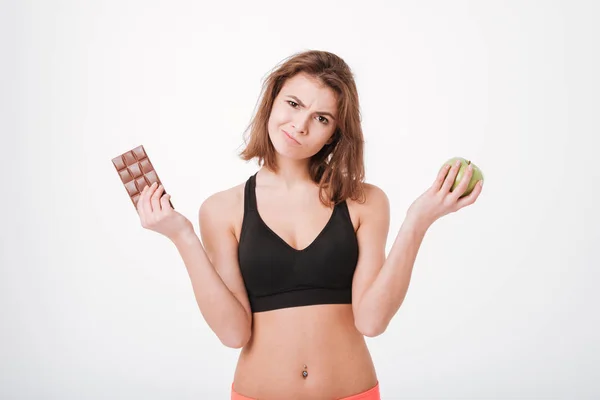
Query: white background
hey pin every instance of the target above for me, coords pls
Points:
(503, 301)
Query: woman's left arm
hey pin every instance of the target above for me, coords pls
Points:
(380, 284)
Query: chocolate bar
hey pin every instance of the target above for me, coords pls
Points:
(136, 172)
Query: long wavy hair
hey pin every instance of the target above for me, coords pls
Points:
(338, 168)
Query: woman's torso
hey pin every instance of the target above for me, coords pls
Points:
(321, 337)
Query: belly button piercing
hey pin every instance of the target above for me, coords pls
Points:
(304, 373)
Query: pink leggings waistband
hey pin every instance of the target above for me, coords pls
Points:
(371, 394)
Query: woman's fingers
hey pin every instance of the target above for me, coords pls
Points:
(451, 177)
(142, 210)
(464, 182)
(437, 184)
(470, 199)
(147, 205)
(164, 202)
(143, 205)
(155, 199)
(153, 205)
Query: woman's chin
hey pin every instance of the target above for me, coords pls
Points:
(286, 152)
(290, 156)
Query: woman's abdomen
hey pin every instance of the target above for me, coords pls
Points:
(319, 341)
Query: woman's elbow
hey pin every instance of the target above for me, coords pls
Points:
(235, 344)
(370, 329)
(236, 340)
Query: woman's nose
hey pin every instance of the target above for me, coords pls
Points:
(300, 123)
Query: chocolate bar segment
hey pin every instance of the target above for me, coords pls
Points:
(136, 172)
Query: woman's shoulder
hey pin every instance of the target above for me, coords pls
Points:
(373, 203)
(224, 206)
(225, 199)
(373, 196)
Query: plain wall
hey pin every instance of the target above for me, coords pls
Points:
(503, 301)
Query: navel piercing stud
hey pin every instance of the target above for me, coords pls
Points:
(304, 373)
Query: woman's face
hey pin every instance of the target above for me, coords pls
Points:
(303, 117)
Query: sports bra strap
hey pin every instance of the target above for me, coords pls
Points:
(250, 194)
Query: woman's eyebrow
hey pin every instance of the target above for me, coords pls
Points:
(297, 100)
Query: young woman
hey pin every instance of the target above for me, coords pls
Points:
(292, 266)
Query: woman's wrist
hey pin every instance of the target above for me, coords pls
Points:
(417, 223)
(184, 237)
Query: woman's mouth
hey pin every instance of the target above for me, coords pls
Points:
(290, 138)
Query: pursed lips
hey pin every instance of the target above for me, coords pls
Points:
(291, 137)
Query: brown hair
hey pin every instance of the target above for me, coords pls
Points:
(338, 168)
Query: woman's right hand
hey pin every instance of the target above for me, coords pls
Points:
(156, 214)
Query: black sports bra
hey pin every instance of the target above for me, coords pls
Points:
(278, 276)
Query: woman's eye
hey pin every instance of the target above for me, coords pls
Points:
(323, 119)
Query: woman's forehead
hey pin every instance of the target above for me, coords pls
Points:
(310, 91)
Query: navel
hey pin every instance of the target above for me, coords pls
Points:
(304, 372)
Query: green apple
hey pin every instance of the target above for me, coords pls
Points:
(476, 177)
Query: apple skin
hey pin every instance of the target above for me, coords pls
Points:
(476, 177)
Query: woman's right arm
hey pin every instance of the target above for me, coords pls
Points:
(215, 275)
(218, 285)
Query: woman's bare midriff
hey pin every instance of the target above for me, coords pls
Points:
(323, 338)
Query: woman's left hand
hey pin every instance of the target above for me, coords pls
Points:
(438, 200)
